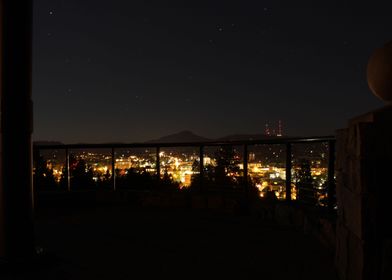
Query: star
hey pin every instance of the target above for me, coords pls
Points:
(51, 13)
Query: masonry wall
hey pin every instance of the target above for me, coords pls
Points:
(364, 197)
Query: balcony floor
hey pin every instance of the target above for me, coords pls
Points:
(125, 243)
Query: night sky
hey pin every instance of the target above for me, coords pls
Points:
(130, 71)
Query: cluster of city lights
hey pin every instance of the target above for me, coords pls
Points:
(181, 167)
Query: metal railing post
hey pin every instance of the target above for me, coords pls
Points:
(113, 170)
(201, 167)
(36, 155)
(67, 171)
(245, 162)
(288, 171)
(158, 163)
(331, 175)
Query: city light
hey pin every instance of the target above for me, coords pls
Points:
(266, 173)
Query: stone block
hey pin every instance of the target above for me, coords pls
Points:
(361, 140)
(356, 258)
(363, 259)
(341, 182)
(341, 252)
(358, 175)
(328, 232)
(341, 149)
(356, 212)
(364, 163)
(382, 116)
(369, 135)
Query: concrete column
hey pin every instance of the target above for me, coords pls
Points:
(16, 204)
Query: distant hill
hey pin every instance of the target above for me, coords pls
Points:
(188, 136)
(185, 136)
(245, 137)
(180, 137)
(47, 143)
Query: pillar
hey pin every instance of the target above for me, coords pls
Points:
(364, 192)
(16, 199)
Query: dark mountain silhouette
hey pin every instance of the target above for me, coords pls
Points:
(188, 136)
(245, 137)
(185, 136)
(180, 137)
(47, 143)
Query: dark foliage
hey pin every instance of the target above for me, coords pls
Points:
(305, 184)
(217, 177)
(43, 176)
(140, 179)
(81, 175)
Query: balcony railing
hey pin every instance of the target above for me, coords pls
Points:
(299, 169)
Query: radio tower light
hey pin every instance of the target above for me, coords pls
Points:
(267, 130)
(280, 130)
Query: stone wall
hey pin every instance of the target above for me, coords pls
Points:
(364, 197)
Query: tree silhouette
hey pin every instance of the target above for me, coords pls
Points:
(216, 177)
(104, 181)
(63, 178)
(226, 163)
(136, 179)
(195, 165)
(140, 179)
(305, 184)
(81, 174)
(43, 176)
(167, 182)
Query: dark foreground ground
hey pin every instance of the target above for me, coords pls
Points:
(125, 243)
